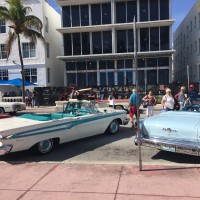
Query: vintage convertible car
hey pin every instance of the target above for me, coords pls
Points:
(175, 131)
(41, 132)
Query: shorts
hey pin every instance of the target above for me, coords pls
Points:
(133, 111)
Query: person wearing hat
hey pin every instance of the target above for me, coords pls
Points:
(191, 91)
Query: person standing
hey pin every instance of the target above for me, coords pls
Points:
(133, 106)
(111, 100)
(151, 101)
(182, 96)
(92, 96)
(73, 94)
(191, 91)
(35, 99)
(168, 100)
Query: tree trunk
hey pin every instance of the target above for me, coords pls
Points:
(22, 68)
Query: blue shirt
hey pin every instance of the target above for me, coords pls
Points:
(133, 99)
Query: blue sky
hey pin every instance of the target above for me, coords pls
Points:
(180, 8)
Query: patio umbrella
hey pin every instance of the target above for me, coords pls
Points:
(16, 82)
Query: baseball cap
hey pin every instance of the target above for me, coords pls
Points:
(191, 86)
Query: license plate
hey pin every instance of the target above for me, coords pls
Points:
(168, 148)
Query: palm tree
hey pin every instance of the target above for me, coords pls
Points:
(20, 24)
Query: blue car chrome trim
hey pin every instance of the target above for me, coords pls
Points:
(171, 145)
(58, 127)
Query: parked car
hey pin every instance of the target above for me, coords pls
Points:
(11, 107)
(175, 131)
(42, 132)
(2, 116)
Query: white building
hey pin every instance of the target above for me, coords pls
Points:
(40, 61)
(187, 46)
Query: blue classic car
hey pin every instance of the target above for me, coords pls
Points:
(175, 131)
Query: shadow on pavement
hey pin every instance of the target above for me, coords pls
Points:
(69, 150)
(176, 158)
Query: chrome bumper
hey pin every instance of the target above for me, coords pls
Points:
(5, 149)
(172, 146)
(125, 121)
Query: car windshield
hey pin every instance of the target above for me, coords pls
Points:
(72, 107)
(192, 103)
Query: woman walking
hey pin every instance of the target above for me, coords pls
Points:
(151, 101)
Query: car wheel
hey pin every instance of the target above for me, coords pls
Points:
(44, 147)
(2, 111)
(113, 127)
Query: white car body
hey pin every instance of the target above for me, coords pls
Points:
(33, 130)
(11, 107)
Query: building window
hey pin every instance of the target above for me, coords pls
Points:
(48, 75)
(84, 15)
(154, 39)
(85, 43)
(76, 44)
(106, 13)
(3, 74)
(164, 9)
(47, 49)
(131, 11)
(121, 41)
(46, 25)
(2, 26)
(107, 42)
(67, 44)
(96, 14)
(97, 43)
(121, 12)
(29, 50)
(154, 10)
(195, 48)
(144, 39)
(144, 10)
(195, 22)
(66, 12)
(75, 16)
(31, 75)
(2, 51)
(164, 38)
(191, 26)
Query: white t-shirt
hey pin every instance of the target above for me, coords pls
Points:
(169, 101)
(111, 101)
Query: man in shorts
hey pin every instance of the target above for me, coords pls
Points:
(133, 106)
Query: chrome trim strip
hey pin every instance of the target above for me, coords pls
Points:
(173, 146)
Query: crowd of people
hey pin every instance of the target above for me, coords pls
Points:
(32, 98)
(169, 102)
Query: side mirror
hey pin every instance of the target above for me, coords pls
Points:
(105, 110)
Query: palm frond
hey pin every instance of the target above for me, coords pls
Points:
(5, 14)
(12, 36)
(34, 21)
(33, 35)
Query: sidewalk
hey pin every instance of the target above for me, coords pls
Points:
(37, 181)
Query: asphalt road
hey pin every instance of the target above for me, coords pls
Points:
(104, 149)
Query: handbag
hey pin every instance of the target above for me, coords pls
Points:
(144, 104)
